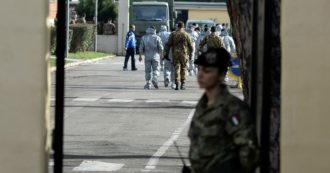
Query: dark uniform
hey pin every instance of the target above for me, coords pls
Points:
(182, 50)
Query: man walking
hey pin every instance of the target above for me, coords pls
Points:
(168, 67)
(194, 37)
(180, 43)
(212, 41)
(130, 45)
(152, 48)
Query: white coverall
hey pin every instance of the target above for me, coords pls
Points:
(151, 46)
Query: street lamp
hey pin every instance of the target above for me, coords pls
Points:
(95, 20)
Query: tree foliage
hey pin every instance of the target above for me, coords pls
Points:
(106, 9)
(202, 0)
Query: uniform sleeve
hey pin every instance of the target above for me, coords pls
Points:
(232, 45)
(141, 47)
(222, 44)
(127, 40)
(202, 43)
(241, 127)
(169, 44)
(190, 47)
(159, 45)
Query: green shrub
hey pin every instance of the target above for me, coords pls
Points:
(53, 38)
(82, 37)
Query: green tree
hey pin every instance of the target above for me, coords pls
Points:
(202, 0)
(106, 9)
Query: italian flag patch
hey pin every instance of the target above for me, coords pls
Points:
(235, 120)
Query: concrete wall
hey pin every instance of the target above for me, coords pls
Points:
(305, 129)
(220, 16)
(123, 22)
(24, 86)
(107, 43)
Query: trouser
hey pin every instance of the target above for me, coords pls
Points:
(169, 71)
(191, 65)
(130, 52)
(180, 65)
(162, 63)
(151, 69)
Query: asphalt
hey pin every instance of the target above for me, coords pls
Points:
(112, 123)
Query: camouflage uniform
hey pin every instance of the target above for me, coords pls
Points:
(212, 41)
(223, 137)
(182, 50)
(109, 29)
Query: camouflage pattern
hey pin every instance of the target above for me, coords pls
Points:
(180, 67)
(109, 29)
(81, 20)
(212, 41)
(182, 50)
(223, 136)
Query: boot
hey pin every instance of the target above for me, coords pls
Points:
(176, 86)
(155, 84)
(182, 86)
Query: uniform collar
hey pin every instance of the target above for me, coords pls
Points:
(220, 100)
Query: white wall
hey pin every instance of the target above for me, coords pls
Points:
(305, 114)
(107, 43)
(123, 22)
(24, 93)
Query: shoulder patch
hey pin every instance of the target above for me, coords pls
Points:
(235, 120)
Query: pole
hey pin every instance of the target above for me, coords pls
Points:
(67, 28)
(95, 17)
(61, 48)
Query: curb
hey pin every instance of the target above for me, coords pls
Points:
(70, 65)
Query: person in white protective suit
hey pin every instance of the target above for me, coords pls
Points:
(194, 38)
(152, 48)
(228, 41)
(168, 66)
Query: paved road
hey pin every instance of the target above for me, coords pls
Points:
(113, 125)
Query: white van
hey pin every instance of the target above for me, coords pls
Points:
(200, 23)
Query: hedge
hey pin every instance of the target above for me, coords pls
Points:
(81, 37)
(53, 39)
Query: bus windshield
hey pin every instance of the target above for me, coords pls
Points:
(149, 12)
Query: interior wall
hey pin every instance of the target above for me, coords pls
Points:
(24, 86)
(305, 130)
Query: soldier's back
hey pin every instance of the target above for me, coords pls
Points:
(214, 41)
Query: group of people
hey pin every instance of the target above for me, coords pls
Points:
(174, 49)
(174, 52)
(222, 132)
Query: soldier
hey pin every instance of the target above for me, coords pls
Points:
(180, 43)
(202, 35)
(82, 19)
(212, 40)
(222, 131)
(168, 67)
(109, 28)
(151, 46)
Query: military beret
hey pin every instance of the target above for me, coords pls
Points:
(218, 57)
